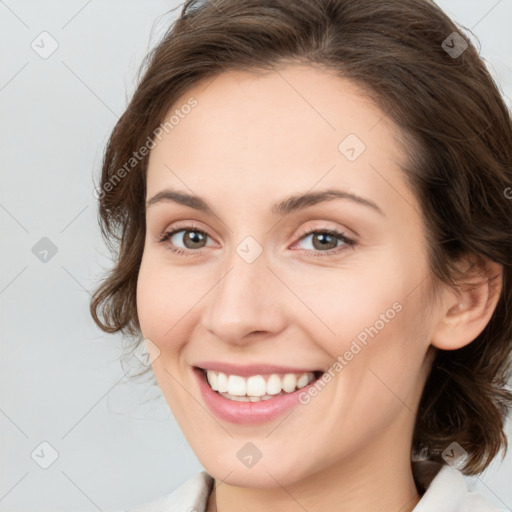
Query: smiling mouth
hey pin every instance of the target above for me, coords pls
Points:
(256, 388)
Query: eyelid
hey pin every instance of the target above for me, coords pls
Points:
(185, 225)
(325, 229)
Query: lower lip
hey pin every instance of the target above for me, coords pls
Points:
(247, 413)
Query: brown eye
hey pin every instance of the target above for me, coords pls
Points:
(184, 239)
(326, 242)
(193, 239)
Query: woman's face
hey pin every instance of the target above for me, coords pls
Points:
(244, 282)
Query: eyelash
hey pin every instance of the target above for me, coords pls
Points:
(348, 242)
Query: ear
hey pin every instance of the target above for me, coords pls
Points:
(465, 312)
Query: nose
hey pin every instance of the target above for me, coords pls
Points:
(248, 301)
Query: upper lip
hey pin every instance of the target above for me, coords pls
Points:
(247, 370)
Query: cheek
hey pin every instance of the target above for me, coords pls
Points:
(150, 305)
(371, 322)
(375, 378)
(167, 300)
(353, 303)
(382, 360)
(154, 299)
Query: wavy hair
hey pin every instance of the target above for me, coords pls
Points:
(404, 55)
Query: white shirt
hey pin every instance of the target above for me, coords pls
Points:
(445, 492)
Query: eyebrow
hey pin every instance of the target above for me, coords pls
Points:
(288, 205)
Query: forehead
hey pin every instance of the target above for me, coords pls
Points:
(292, 127)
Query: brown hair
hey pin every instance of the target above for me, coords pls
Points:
(400, 52)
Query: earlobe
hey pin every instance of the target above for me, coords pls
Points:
(465, 313)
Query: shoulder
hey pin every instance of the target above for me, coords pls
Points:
(446, 491)
(191, 496)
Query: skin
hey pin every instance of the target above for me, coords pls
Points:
(253, 140)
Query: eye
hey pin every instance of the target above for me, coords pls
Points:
(191, 237)
(326, 242)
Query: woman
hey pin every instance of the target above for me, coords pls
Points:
(315, 236)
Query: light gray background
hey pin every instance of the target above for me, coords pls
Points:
(61, 379)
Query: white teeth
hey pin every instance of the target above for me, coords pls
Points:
(274, 385)
(302, 381)
(213, 379)
(237, 385)
(237, 398)
(256, 387)
(222, 383)
(249, 398)
(289, 382)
